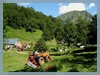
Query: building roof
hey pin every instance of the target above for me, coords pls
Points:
(10, 41)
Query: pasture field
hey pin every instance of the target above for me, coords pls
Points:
(71, 61)
(23, 36)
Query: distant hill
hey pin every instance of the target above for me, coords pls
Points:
(74, 15)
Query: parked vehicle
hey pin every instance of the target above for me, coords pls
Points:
(37, 60)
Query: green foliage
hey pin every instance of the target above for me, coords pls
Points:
(59, 34)
(82, 30)
(93, 30)
(19, 17)
(70, 33)
(4, 28)
(75, 27)
(46, 34)
(29, 29)
(59, 31)
(41, 45)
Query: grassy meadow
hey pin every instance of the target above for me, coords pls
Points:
(23, 36)
(70, 61)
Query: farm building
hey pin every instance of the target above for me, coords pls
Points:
(11, 43)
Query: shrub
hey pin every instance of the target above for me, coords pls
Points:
(41, 45)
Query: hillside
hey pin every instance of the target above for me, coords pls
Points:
(27, 37)
(18, 17)
(23, 36)
(30, 25)
(74, 15)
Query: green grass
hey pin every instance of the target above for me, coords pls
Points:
(76, 61)
(13, 60)
(24, 36)
(51, 43)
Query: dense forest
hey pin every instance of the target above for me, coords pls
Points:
(19, 17)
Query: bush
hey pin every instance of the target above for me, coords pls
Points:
(53, 49)
(30, 29)
(41, 45)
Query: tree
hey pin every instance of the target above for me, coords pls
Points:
(58, 30)
(59, 34)
(82, 30)
(92, 36)
(30, 29)
(4, 28)
(41, 45)
(46, 34)
(70, 33)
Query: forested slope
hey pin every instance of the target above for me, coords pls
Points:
(30, 20)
